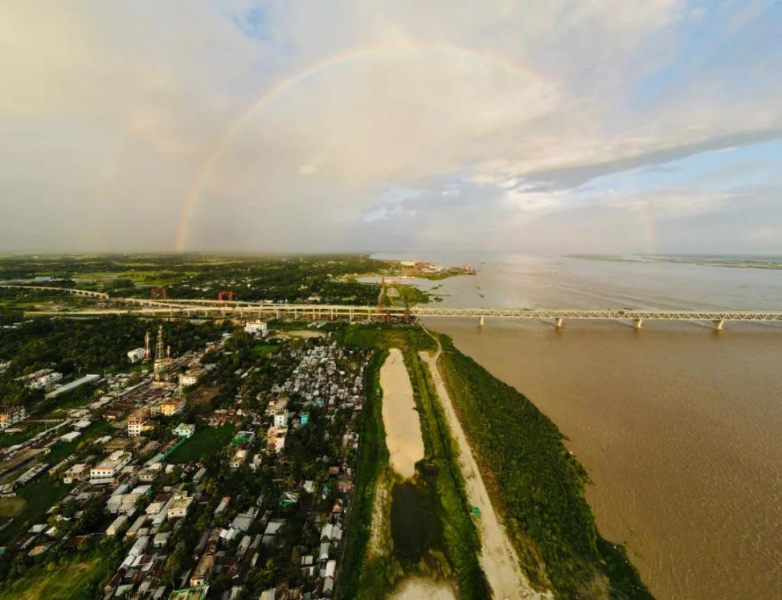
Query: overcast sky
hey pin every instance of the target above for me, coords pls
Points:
(608, 126)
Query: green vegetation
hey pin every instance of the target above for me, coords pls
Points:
(75, 347)
(62, 450)
(459, 539)
(77, 575)
(539, 487)
(326, 278)
(28, 430)
(373, 574)
(450, 548)
(382, 337)
(38, 497)
(206, 442)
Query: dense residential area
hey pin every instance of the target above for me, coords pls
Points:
(179, 470)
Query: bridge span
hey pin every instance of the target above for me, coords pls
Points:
(173, 308)
(263, 310)
(72, 291)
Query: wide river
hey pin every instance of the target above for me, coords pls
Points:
(680, 426)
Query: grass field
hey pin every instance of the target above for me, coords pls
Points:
(261, 350)
(78, 576)
(37, 497)
(41, 584)
(206, 441)
(11, 507)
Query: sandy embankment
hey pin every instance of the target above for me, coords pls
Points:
(417, 588)
(403, 427)
(498, 557)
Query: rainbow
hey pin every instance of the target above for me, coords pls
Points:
(214, 154)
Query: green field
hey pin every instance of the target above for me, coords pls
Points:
(206, 441)
(73, 577)
(38, 497)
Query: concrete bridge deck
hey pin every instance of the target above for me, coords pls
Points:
(249, 310)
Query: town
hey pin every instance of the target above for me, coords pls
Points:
(228, 469)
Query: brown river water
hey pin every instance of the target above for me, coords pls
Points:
(680, 426)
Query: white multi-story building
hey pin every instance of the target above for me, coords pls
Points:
(257, 328)
(10, 415)
(112, 465)
(138, 423)
(179, 505)
(136, 355)
(281, 419)
(185, 430)
(40, 379)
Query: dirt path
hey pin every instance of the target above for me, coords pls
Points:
(498, 557)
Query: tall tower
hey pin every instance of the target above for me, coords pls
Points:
(146, 346)
(160, 352)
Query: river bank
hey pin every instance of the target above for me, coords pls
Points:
(677, 425)
(498, 557)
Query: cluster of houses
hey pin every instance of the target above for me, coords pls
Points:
(146, 501)
(242, 535)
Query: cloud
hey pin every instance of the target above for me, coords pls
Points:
(308, 170)
(360, 125)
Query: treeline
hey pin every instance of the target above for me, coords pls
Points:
(76, 347)
(540, 487)
(251, 278)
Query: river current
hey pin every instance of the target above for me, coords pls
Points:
(679, 426)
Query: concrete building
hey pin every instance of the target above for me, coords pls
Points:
(40, 379)
(117, 525)
(112, 465)
(185, 430)
(138, 423)
(75, 473)
(190, 377)
(136, 355)
(275, 439)
(281, 419)
(171, 407)
(257, 328)
(11, 415)
(179, 505)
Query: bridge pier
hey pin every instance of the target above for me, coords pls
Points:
(558, 324)
(481, 321)
(638, 324)
(718, 325)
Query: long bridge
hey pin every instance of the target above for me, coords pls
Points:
(247, 310)
(71, 291)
